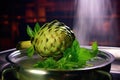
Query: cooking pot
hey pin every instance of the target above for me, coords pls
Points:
(22, 65)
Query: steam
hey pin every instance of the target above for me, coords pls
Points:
(91, 22)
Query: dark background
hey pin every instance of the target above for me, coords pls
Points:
(15, 15)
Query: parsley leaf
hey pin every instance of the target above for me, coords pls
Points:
(73, 57)
(30, 51)
(30, 32)
(37, 27)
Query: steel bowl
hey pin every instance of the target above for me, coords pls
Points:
(24, 70)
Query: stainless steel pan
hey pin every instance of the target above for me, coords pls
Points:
(23, 69)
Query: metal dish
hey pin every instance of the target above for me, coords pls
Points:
(22, 65)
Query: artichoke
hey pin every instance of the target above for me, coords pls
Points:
(50, 40)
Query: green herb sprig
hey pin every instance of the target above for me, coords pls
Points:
(73, 57)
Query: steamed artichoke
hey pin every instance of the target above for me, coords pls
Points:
(51, 39)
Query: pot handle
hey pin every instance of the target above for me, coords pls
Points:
(12, 74)
(105, 73)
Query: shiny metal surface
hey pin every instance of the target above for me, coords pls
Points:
(21, 59)
(23, 65)
(114, 68)
(115, 51)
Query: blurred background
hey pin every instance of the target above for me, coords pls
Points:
(15, 15)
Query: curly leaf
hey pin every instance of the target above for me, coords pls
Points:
(30, 32)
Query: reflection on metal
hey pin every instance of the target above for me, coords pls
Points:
(35, 71)
(113, 50)
(115, 68)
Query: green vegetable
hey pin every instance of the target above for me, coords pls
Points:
(51, 39)
(30, 51)
(73, 57)
(30, 32)
(55, 39)
(37, 27)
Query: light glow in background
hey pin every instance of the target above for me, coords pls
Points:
(91, 22)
